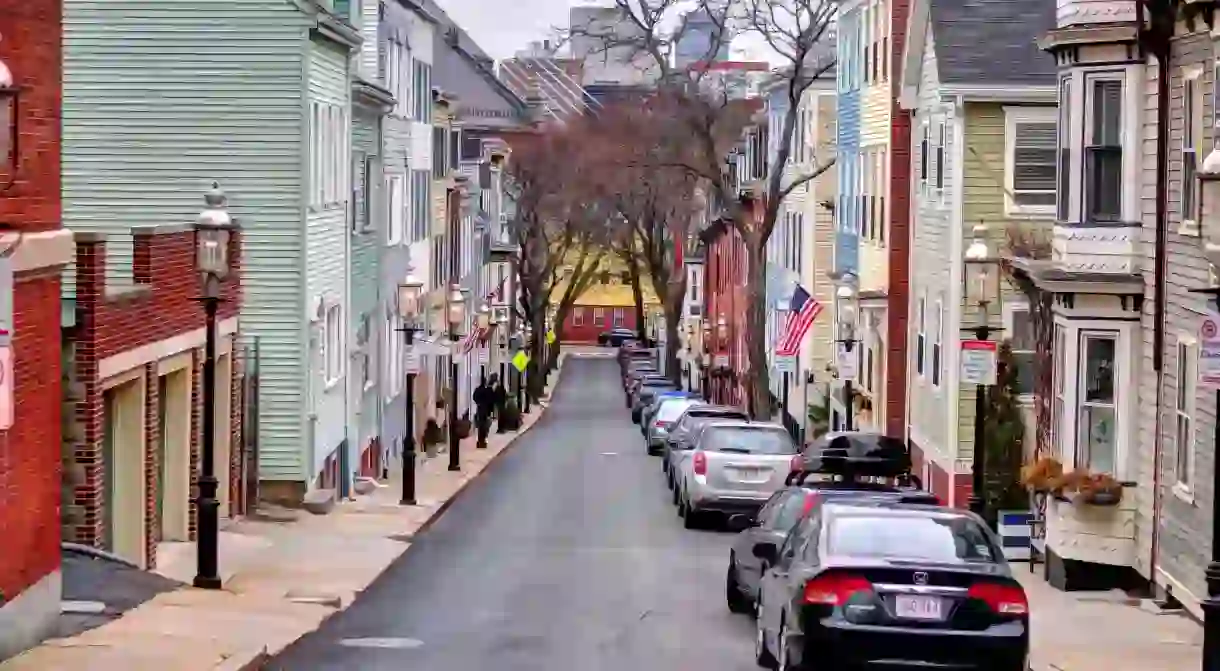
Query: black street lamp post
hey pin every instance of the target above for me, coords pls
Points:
(409, 293)
(212, 230)
(982, 287)
(456, 315)
(845, 296)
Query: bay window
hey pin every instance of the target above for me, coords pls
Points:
(1064, 188)
(1059, 400)
(1104, 150)
(1096, 446)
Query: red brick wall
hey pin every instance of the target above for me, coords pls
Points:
(725, 294)
(160, 306)
(587, 331)
(900, 243)
(29, 452)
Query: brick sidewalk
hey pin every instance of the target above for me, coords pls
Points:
(1106, 631)
(281, 580)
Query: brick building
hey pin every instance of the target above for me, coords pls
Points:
(36, 248)
(135, 396)
(725, 297)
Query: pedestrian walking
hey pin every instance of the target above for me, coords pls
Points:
(484, 403)
(500, 398)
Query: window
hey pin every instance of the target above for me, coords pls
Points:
(694, 286)
(1096, 448)
(937, 335)
(440, 152)
(421, 91)
(1019, 325)
(1104, 151)
(333, 344)
(329, 168)
(1188, 151)
(1184, 409)
(868, 368)
(1030, 141)
(1060, 372)
(399, 77)
(923, 157)
(421, 203)
(599, 317)
(454, 148)
(1216, 104)
(392, 366)
(1064, 171)
(397, 205)
(578, 316)
(315, 157)
(939, 166)
(618, 317)
(921, 337)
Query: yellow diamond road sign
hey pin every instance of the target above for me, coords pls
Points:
(550, 337)
(520, 361)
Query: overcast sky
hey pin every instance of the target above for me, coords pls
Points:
(502, 28)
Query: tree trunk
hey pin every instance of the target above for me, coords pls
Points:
(757, 376)
(534, 382)
(671, 303)
(637, 295)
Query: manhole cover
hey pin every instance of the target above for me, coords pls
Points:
(382, 643)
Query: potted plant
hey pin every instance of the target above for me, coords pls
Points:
(510, 416)
(463, 426)
(432, 437)
(1098, 489)
(1042, 476)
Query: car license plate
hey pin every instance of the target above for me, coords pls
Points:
(918, 607)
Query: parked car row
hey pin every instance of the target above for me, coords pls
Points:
(842, 558)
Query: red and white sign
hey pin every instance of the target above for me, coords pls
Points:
(1209, 351)
(979, 361)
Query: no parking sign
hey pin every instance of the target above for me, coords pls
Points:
(1209, 351)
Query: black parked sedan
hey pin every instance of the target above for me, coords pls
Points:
(890, 586)
(782, 512)
(616, 337)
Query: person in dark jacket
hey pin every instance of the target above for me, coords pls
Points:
(501, 399)
(484, 403)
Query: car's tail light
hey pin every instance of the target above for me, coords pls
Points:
(794, 464)
(810, 499)
(699, 459)
(834, 589)
(662, 425)
(1001, 598)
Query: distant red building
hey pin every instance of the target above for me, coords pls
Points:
(585, 322)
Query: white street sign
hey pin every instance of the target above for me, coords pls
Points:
(785, 364)
(979, 361)
(1209, 351)
(411, 363)
(722, 361)
(484, 355)
(847, 360)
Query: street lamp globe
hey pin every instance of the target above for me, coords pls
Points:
(457, 306)
(409, 293)
(212, 229)
(982, 276)
(846, 296)
(722, 327)
(483, 317)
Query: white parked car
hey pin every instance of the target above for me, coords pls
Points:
(734, 468)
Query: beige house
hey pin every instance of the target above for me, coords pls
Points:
(983, 153)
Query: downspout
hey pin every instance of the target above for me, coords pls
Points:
(1159, 35)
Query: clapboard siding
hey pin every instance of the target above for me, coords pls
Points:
(160, 98)
(326, 257)
(1184, 538)
(931, 242)
(366, 292)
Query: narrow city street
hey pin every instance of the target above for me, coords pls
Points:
(566, 555)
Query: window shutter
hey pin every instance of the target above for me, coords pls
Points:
(936, 159)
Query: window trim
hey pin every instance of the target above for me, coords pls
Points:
(1188, 347)
(578, 316)
(1091, 80)
(1013, 117)
(333, 345)
(1079, 457)
(1009, 311)
(1190, 143)
(938, 350)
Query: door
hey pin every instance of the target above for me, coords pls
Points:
(127, 483)
(175, 421)
(223, 424)
(772, 588)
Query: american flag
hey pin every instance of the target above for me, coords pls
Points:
(471, 339)
(802, 310)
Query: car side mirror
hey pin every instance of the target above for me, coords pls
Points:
(765, 552)
(740, 522)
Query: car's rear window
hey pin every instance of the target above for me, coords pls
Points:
(699, 417)
(673, 409)
(748, 441)
(937, 539)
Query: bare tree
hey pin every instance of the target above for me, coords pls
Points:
(559, 230)
(713, 116)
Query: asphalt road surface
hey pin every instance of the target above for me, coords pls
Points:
(565, 556)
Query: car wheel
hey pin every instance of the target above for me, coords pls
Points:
(762, 655)
(738, 602)
(781, 661)
(693, 518)
(673, 486)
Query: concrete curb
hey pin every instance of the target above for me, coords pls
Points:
(257, 659)
(440, 510)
